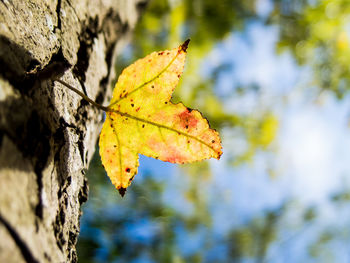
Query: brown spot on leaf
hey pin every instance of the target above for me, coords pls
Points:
(127, 170)
(187, 120)
(137, 109)
(160, 53)
(132, 105)
(143, 126)
(212, 141)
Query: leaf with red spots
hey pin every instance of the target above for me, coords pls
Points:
(142, 120)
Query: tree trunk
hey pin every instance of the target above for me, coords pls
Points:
(48, 133)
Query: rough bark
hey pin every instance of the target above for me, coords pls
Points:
(48, 133)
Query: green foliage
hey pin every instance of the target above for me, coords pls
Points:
(318, 36)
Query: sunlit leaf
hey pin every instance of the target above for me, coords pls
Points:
(142, 120)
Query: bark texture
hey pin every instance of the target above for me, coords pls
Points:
(48, 133)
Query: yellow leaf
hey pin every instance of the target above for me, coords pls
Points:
(142, 120)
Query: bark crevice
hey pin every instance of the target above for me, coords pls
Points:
(26, 252)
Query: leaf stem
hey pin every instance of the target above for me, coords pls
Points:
(83, 95)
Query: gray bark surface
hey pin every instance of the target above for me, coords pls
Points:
(47, 132)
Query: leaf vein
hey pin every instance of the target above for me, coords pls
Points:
(162, 126)
(145, 83)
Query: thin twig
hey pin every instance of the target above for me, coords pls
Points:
(83, 95)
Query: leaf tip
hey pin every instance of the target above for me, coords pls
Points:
(122, 191)
(220, 147)
(184, 46)
(219, 154)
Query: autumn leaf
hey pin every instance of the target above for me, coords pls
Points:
(141, 120)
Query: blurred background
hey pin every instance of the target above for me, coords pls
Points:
(273, 77)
